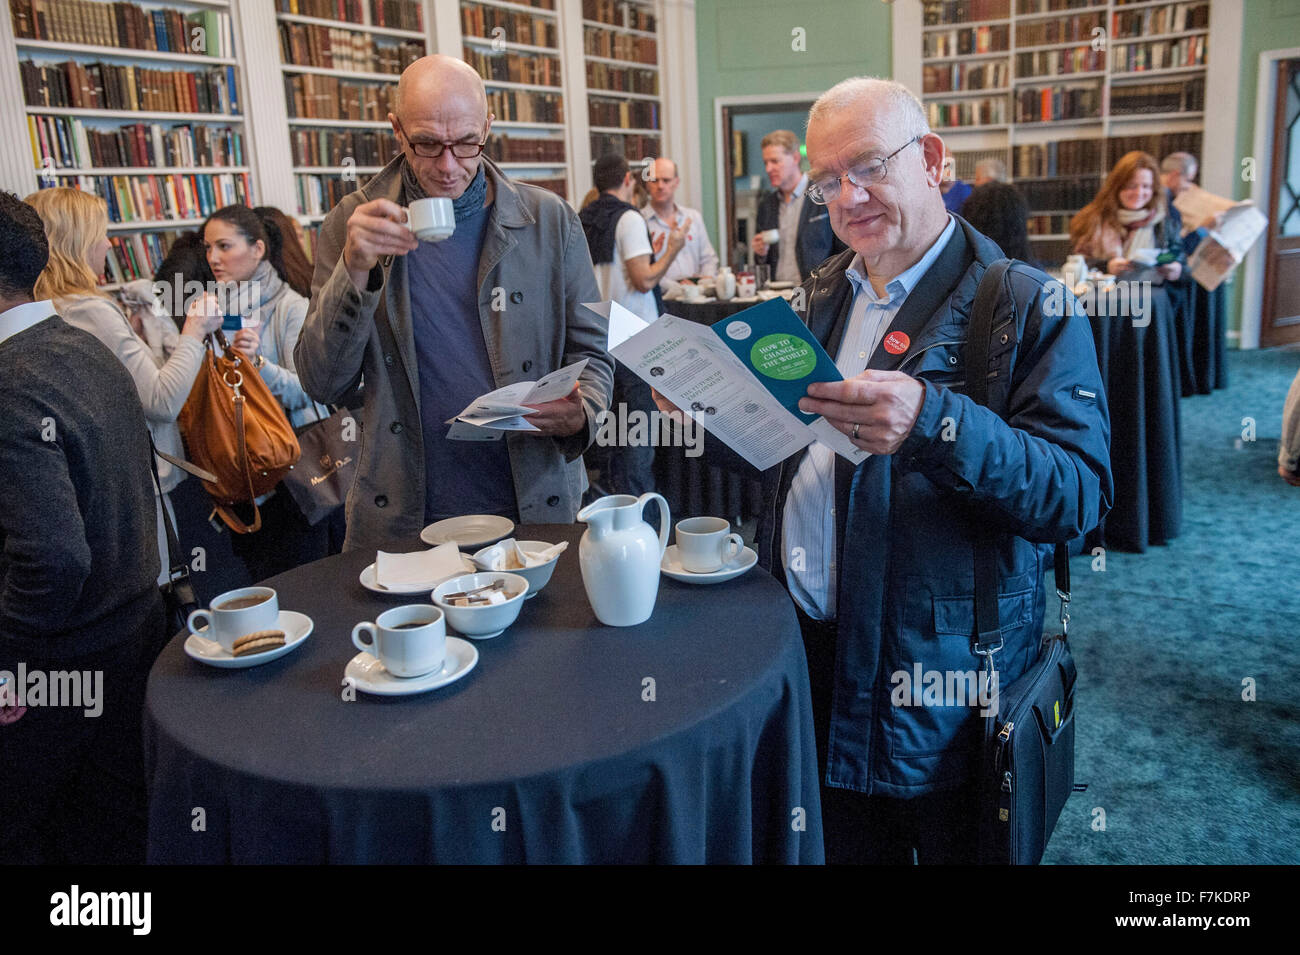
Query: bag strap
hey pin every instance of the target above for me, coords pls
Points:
(979, 342)
(233, 521)
(173, 541)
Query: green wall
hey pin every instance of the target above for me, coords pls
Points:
(1267, 25)
(744, 48)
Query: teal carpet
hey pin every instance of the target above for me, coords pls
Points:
(1181, 769)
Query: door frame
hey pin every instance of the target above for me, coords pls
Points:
(1252, 298)
(722, 148)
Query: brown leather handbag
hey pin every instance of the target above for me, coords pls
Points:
(235, 428)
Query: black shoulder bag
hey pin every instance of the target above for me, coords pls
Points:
(1027, 766)
(178, 592)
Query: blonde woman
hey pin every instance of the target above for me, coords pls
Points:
(1128, 214)
(76, 226)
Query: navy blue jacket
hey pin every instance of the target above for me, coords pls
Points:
(814, 242)
(906, 523)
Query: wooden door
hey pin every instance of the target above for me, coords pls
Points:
(1280, 319)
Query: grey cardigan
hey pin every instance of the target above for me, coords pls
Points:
(535, 268)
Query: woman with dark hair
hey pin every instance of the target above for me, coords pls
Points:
(998, 210)
(245, 248)
(1128, 215)
(186, 261)
(296, 266)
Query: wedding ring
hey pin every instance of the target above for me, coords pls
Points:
(855, 430)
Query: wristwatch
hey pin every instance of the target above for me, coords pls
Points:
(259, 362)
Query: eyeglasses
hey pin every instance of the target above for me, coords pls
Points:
(432, 150)
(862, 174)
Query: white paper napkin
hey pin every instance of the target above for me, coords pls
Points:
(418, 569)
(497, 557)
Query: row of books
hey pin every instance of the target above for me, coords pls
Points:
(981, 112)
(333, 147)
(394, 14)
(937, 12)
(318, 194)
(64, 142)
(120, 87)
(618, 13)
(515, 27)
(311, 45)
(1158, 55)
(1158, 145)
(514, 67)
(621, 79)
(149, 198)
(557, 186)
(521, 106)
(1049, 225)
(966, 76)
(505, 148)
(136, 255)
(309, 96)
(1154, 20)
(1031, 7)
(629, 114)
(1175, 97)
(1070, 29)
(1036, 105)
(1047, 63)
(632, 145)
(985, 39)
(1060, 193)
(619, 46)
(1064, 157)
(124, 25)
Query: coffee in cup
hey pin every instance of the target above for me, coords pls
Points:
(431, 219)
(705, 544)
(409, 641)
(235, 614)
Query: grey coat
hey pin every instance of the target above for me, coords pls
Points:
(535, 263)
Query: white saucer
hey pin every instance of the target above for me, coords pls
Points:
(296, 626)
(472, 530)
(368, 580)
(780, 286)
(672, 567)
(369, 675)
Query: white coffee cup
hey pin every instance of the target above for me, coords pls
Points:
(692, 293)
(745, 285)
(226, 621)
(772, 236)
(432, 219)
(409, 641)
(704, 544)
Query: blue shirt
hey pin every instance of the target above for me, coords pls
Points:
(956, 197)
(461, 477)
(808, 528)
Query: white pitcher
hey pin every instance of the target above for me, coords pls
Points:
(725, 287)
(620, 557)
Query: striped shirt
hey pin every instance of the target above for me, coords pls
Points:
(808, 528)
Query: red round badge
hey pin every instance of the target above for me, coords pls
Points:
(897, 342)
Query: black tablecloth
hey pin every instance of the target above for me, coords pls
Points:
(1140, 367)
(696, 486)
(1201, 323)
(550, 727)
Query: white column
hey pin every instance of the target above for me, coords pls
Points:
(577, 121)
(679, 92)
(17, 168)
(267, 117)
(443, 18)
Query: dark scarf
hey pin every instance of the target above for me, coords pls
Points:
(600, 223)
(468, 203)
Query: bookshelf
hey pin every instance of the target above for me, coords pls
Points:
(621, 53)
(339, 62)
(518, 49)
(1059, 89)
(140, 103)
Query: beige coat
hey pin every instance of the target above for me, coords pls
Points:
(535, 251)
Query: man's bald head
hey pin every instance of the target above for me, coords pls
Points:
(441, 100)
(440, 78)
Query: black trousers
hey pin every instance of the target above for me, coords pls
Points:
(936, 828)
(72, 787)
(284, 541)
